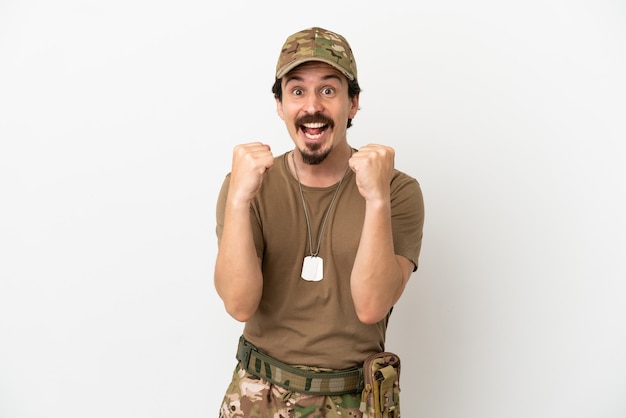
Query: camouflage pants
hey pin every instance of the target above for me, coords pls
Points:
(249, 396)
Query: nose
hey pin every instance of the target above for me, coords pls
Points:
(313, 104)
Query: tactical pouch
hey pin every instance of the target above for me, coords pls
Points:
(381, 396)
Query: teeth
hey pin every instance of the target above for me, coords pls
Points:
(314, 125)
(312, 136)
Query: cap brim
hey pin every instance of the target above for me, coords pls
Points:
(286, 68)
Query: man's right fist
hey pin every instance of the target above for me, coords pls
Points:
(250, 162)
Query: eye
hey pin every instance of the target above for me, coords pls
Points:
(328, 90)
(297, 92)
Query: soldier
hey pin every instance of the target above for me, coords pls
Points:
(315, 245)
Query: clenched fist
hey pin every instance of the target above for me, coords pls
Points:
(373, 166)
(250, 162)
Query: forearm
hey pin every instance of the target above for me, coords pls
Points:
(238, 276)
(377, 279)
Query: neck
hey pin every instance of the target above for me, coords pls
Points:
(325, 174)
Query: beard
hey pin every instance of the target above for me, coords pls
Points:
(313, 154)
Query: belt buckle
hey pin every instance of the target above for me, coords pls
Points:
(243, 352)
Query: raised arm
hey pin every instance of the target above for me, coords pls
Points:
(379, 276)
(238, 277)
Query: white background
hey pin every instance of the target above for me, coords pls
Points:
(117, 121)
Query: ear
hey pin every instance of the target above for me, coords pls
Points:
(354, 106)
(279, 109)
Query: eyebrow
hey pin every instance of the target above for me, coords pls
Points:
(289, 78)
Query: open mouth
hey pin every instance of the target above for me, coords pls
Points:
(313, 126)
(313, 130)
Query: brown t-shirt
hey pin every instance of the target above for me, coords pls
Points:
(314, 323)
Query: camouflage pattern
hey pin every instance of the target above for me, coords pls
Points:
(381, 396)
(249, 396)
(316, 44)
(298, 379)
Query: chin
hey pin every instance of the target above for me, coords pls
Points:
(313, 155)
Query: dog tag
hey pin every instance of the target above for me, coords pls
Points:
(313, 268)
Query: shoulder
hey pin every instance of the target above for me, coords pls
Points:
(406, 193)
(401, 181)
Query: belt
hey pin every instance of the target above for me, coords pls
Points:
(295, 379)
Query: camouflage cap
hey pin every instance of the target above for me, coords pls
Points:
(316, 44)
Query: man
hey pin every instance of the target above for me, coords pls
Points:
(315, 245)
